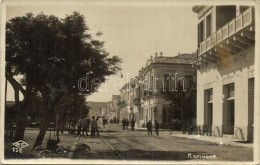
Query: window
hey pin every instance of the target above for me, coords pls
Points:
(200, 32)
(224, 14)
(208, 25)
(210, 95)
(231, 91)
(155, 109)
(166, 82)
(151, 82)
(188, 80)
(243, 8)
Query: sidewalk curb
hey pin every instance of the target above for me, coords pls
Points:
(222, 142)
(225, 142)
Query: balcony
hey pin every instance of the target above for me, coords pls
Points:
(234, 36)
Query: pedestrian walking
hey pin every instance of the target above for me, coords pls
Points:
(79, 125)
(96, 127)
(132, 125)
(85, 124)
(156, 126)
(88, 121)
(124, 122)
(149, 127)
(104, 122)
(93, 126)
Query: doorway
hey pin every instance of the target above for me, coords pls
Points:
(230, 116)
(209, 118)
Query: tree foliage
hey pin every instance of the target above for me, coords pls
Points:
(182, 102)
(52, 54)
(57, 52)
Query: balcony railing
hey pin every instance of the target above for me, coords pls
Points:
(235, 25)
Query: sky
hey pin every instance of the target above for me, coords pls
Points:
(132, 31)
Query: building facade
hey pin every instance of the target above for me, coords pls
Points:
(96, 108)
(108, 111)
(129, 103)
(160, 74)
(115, 101)
(225, 70)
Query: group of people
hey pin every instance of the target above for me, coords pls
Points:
(85, 124)
(125, 123)
(149, 126)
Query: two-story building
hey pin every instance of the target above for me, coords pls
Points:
(162, 73)
(225, 75)
(129, 104)
(124, 102)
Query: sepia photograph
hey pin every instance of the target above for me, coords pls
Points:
(129, 82)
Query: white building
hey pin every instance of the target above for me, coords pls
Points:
(156, 75)
(115, 101)
(225, 75)
(126, 105)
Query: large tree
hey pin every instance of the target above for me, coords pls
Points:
(52, 54)
(182, 102)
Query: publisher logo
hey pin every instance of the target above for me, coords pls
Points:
(19, 145)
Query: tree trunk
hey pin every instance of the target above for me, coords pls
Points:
(20, 123)
(21, 112)
(15, 84)
(43, 128)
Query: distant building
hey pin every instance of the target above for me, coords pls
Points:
(225, 75)
(124, 103)
(115, 101)
(96, 108)
(162, 73)
(111, 112)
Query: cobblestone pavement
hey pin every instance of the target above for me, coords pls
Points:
(117, 144)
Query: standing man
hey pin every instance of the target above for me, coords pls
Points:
(88, 121)
(96, 127)
(124, 122)
(85, 124)
(156, 126)
(149, 127)
(93, 126)
(127, 124)
(104, 122)
(132, 125)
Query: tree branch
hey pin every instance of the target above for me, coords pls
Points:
(15, 84)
